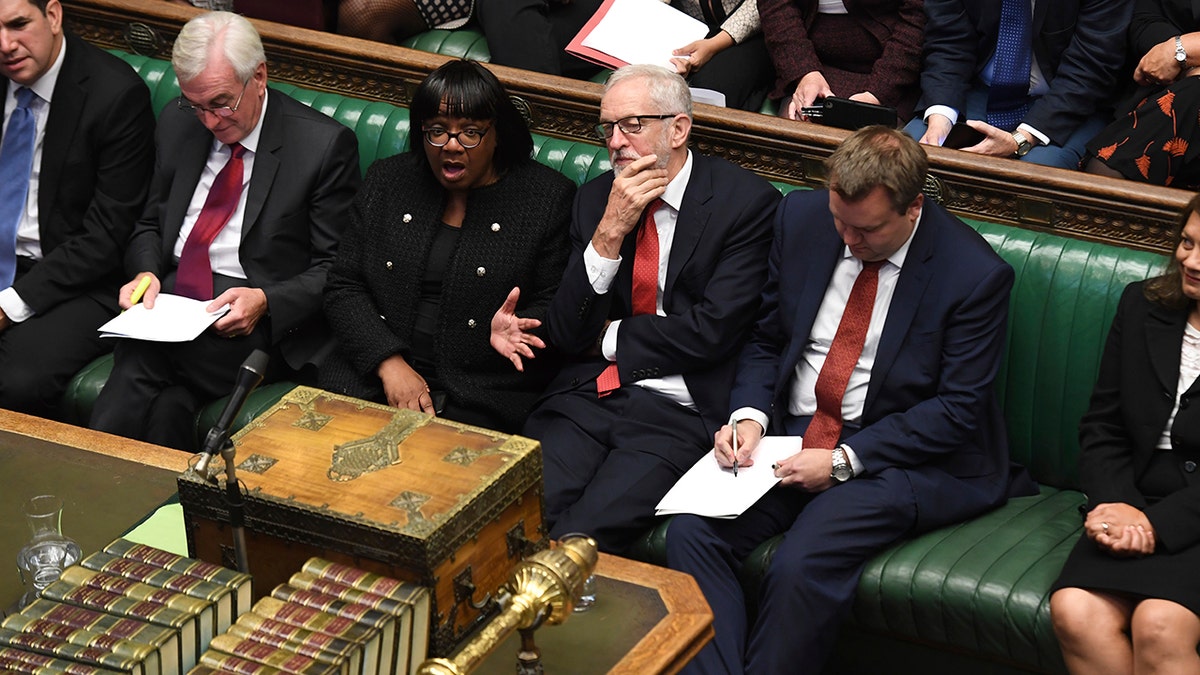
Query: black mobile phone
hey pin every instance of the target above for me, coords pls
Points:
(962, 136)
(846, 114)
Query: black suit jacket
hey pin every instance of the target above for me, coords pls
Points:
(1080, 45)
(1134, 395)
(930, 408)
(97, 158)
(715, 273)
(305, 176)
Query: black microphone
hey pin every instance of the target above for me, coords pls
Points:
(248, 377)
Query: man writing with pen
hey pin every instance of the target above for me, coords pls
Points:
(668, 256)
(881, 330)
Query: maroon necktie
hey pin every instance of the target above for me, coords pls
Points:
(195, 277)
(826, 425)
(645, 288)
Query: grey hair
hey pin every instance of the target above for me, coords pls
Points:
(668, 91)
(238, 40)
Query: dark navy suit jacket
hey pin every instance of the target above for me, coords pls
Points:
(715, 274)
(1079, 44)
(930, 408)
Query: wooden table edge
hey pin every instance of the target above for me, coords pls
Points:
(689, 616)
(94, 441)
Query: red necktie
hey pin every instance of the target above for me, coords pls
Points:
(645, 288)
(194, 279)
(826, 425)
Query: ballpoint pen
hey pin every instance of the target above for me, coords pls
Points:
(735, 467)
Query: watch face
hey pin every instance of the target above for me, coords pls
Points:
(842, 473)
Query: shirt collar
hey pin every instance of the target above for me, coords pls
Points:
(673, 197)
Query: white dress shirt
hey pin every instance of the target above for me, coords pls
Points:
(802, 401)
(601, 271)
(223, 253)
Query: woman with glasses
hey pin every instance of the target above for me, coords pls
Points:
(440, 239)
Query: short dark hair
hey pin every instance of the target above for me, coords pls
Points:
(878, 156)
(1166, 289)
(471, 91)
(40, 4)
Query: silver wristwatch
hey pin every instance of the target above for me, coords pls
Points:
(1023, 144)
(1180, 52)
(842, 471)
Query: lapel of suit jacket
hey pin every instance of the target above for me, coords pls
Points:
(191, 150)
(910, 287)
(266, 164)
(70, 96)
(825, 251)
(693, 217)
(1164, 341)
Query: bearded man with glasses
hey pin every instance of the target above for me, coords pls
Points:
(245, 209)
(669, 256)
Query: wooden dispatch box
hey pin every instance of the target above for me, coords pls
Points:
(391, 491)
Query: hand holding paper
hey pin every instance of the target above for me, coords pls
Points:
(708, 489)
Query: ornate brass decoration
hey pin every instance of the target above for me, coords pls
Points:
(542, 588)
(463, 456)
(524, 108)
(934, 188)
(142, 39)
(517, 543)
(410, 502)
(365, 455)
(257, 463)
(312, 420)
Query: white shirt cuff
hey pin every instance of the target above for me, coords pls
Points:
(601, 271)
(1035, 133)
(14, 307)
(748, 413)
(945, 110)
(855, 462)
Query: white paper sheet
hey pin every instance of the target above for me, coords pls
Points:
(173, 319)
(708, 490)
(644, 31)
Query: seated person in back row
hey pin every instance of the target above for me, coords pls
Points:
(1034, 82)
(246, 206)
(76, 155)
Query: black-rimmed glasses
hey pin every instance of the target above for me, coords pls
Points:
(628, 125)
(468, 138)
(218, 110)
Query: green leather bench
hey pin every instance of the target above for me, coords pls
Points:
(382, 131)
(971, 596)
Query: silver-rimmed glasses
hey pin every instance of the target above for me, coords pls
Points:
(218, 110)
(628, 125)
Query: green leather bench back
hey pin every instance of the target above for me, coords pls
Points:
(1063, 301)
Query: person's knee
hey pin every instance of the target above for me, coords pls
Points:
(1161, 630)
(1078, 614)
(686, 533)
(26, 388)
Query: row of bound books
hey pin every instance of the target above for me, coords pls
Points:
(129, 609)
(328, 619)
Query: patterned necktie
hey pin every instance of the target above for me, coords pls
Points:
(645, 288)
(194, 279)
(1008, 95)
(826, 425)
(16, 164)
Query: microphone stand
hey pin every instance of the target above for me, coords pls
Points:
(237, 507)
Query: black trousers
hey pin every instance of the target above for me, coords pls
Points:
(532, 34)
(156, 388)
(40, 355)
(608, 461)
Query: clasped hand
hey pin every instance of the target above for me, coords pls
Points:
(638, 184)
(1120, 529)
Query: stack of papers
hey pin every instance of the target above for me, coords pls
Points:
(709, 490)
(635, 31)
(173, 319)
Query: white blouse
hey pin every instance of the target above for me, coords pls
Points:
(1189, 369)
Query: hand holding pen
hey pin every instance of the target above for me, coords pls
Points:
(745, 439)
(144, 286)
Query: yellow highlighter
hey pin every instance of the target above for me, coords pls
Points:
(140, 290)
